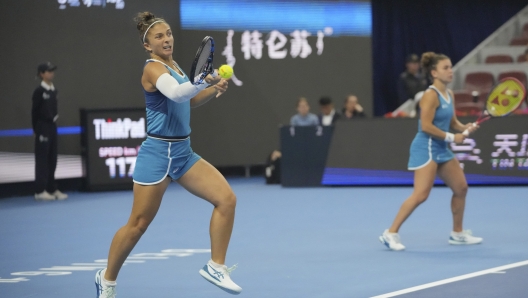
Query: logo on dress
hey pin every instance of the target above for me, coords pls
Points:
(45, 95)
(444, 106)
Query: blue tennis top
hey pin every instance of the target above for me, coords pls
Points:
(167, 118)
(443, 114)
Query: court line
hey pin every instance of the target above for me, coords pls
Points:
(453, 279)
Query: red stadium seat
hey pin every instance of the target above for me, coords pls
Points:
(469, 109)
(479, 81)
(519, 41)
(519, 75)
(522, 58)
(499, 59)
(462, 97)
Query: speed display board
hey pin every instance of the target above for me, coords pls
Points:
(110, 144)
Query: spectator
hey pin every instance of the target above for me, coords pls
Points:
(524, 57)
(352, 109)
(273, 168)
(303, 116)
(411, 81)
(44, 117)
(328, 115)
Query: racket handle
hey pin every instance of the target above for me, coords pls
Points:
(466, 132)
(483, 119)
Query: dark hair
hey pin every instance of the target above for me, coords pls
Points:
(143, 21)
(430, 60)
(325, 100)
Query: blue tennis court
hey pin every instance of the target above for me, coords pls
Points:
(288, 242)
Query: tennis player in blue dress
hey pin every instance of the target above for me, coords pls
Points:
(430, 154)
(166, 156)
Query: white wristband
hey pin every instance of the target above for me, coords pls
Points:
(450, 138)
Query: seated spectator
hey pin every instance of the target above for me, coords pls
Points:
(303, 116)
(411, 81)
(352, 109)
(272, 171)
(328, 115)
(525, 57)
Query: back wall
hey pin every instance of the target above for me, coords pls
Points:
(100, 59)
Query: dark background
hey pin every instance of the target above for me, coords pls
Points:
(100, 59)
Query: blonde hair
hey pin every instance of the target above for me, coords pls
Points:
(301, 99)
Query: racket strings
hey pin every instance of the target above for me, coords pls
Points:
(203, 60)
(505, 97)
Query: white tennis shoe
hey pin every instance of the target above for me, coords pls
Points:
(59, 195)
(220, 277)
(464, 238)
(44, 196)
(391, 240)
(103, 291)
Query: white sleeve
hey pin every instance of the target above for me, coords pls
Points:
(175, 91)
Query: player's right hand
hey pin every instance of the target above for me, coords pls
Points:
(459, 138)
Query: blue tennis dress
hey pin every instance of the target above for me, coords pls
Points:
(167, 149)
(425, 148)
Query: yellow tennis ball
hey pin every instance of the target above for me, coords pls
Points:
(225, 71)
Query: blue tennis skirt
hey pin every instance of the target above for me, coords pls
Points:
(158, 159)
(425, 149)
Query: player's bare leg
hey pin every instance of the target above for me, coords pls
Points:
(204, 181)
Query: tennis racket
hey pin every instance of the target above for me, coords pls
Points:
(503, 99)
(203, 61)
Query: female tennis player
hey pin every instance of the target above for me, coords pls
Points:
(166, 156)
(430, 155)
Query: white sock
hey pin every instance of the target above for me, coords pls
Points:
(215, 265)
(105, 282)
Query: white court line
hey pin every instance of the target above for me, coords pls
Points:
(453, 279)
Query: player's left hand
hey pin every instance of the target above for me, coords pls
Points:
(221, 86)
(209, 79)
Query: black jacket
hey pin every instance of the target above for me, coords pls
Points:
(44, 109)
(409, 85)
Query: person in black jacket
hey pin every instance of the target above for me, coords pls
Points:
(412, 80)
(352, 109)
(328, 115)
(43, 118)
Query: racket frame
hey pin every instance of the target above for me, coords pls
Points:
(485, 115)
(209, 64)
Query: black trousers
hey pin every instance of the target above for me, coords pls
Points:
(45, 157)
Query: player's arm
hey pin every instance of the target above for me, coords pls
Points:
(157, 77)
(207, 94)
(428, 105)
(457, 125)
